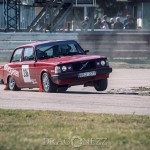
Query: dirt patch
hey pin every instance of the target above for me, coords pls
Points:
(145, 91)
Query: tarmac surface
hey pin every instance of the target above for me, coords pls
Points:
(87, 99)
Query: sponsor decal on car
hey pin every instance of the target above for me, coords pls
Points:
(33, 81)
(11, 70)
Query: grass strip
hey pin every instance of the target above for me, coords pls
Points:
(55, 130)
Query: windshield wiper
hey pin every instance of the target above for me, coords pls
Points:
(71, 54)
(53, 56)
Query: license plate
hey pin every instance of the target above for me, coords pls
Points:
(87, 74)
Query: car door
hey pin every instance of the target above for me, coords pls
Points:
(14, 67)
(28, 68)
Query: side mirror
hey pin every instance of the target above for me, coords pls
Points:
(86, 51)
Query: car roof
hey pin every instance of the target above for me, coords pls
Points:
(45, 42)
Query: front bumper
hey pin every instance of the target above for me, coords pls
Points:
(71, 77)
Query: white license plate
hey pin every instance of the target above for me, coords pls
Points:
(87, 74)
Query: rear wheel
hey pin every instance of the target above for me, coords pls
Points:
(101, 85)
(12, 84)
(47, 84)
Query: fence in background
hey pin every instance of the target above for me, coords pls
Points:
(112, 44)
(9, 41)
(117, 45)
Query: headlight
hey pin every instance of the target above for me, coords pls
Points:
(103, 63)
(57, 69)
(64, 68)
(69, 68)
(107, 63)
(98, 63)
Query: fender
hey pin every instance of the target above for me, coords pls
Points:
(43, 70)
(1, 74)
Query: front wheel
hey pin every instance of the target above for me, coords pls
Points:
(12, 84)
(47, 84)
(62, 89)
(101, 85)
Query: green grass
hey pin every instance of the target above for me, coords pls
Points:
(48, 130)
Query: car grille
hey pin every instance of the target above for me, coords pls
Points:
(84, 65)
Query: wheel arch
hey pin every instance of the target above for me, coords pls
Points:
(42, 72)
(15, 87)
(7, 78)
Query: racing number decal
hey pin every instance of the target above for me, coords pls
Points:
(26, 73)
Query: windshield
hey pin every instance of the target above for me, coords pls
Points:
(50, 50)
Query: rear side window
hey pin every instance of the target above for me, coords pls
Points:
(28, 54)
(17, 55)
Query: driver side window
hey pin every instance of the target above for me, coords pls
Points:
(17, 55)
(28, 54)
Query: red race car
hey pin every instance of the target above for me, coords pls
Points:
(54, 66)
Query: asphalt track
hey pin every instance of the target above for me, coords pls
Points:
(86, 99)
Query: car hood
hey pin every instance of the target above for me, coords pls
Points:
(70, 59)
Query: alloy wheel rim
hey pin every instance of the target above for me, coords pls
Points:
(11, 83)
(46, 83)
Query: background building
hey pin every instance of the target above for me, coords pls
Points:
(63, 15)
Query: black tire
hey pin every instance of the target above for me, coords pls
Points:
(62, 89)
(12, 84)
(100, 85)
(47, 84)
